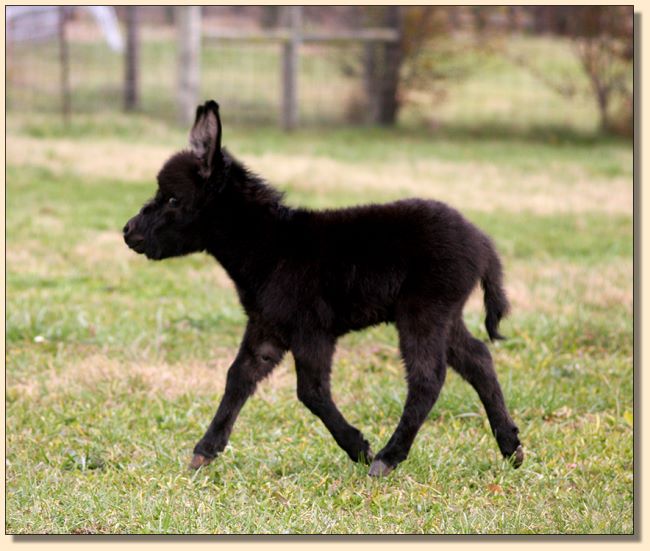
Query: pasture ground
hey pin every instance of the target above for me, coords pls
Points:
(115, 365)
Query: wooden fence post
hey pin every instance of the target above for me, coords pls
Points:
(290, 70)
(64, 57)
(132, 60)
(189, 58)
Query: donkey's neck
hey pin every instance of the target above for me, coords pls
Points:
(246, 228)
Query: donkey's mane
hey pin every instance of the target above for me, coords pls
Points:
(251, 187)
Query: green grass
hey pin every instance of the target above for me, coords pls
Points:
(115, 365)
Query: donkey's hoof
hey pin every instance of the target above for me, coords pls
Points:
(517, 458)
(379, 468)
(199, 461)
(366, 456)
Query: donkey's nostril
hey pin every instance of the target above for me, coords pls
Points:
(126, 229)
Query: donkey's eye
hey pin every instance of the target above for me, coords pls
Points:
(173, 202)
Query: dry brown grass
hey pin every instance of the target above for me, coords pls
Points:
(96, 159)
(102, 249)
(558, 288)
(97, 250)
(25, 259)
(154, 378)
(467, 185)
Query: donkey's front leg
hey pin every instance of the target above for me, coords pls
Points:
(258, 355)
(313, 366)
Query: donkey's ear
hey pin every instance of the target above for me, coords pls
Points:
(205, 137)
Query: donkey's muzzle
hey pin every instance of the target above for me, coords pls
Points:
(133, 239)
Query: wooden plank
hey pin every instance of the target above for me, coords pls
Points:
(285, 35)
(361, 35)
(241, 35)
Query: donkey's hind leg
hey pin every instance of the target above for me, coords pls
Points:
(422, 344)
(473, 361)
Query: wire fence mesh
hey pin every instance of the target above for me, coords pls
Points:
(479, 86)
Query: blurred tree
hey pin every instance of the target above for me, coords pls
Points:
(415, 68)
(426, 30)
(604, 42)
(435, 44)
(394, 72)
(603, 39)
(434, 39)
(382, 66)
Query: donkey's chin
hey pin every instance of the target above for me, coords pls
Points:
(156, 254)
(137, 248)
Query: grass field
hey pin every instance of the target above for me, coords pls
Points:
(115, 364)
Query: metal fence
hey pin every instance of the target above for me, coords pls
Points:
(244, 67)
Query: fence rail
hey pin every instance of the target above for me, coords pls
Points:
(290, 39)
(285, 35)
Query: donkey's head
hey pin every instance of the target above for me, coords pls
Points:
(170, 224)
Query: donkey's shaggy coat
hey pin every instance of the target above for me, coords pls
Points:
(307, 277)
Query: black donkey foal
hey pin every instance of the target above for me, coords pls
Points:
(305, 278)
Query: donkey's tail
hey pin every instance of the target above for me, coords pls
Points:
(494, 297)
